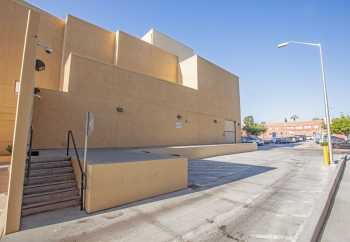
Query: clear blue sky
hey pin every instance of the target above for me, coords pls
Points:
(241, 36)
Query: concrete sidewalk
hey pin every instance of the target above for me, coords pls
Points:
(337, 226)
(267, 195)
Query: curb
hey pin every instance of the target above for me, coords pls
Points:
(316, 221)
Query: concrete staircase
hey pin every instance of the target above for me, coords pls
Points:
(51, 185)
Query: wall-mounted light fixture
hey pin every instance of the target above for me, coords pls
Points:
(179, 116)
(47, 49)
(36, 92)
(120, 109)
(215, 121)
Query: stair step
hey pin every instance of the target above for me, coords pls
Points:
(40, 188)
(49, 158)
(49, 179)
(51, 185)
(53, 192)
(45, 203)
(51, 164)
(49, 206)
(50, 171)
(49, 196)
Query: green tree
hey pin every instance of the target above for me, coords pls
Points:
(294, 117)
(253, 128)
(248, 121)
(341, 125)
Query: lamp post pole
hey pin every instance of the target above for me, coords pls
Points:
(328, 120)
(325, 94)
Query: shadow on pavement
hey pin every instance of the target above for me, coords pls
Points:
(208, 173)
(202, 174)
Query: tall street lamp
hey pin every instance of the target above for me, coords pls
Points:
(318, 45)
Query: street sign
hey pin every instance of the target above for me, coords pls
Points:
(178, 124)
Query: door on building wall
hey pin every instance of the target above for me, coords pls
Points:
(229, 130)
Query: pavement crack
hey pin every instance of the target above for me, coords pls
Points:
(237, 237)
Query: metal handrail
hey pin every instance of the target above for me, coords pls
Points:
(83, 175)
(29, 155)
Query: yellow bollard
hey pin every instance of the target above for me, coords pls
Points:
(326, 159)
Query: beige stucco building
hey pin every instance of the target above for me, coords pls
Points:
(152, 92)
(170, 95)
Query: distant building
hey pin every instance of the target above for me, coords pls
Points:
(285, 129)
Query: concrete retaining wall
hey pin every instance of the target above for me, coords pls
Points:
(113, 184)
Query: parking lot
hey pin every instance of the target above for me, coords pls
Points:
(264, 195)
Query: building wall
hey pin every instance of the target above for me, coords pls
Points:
(87, 39)
(308, 128)
(188, 75)
(136, 55)
(12, 29)
(167, 43)
(51, 30)
(219, 92)
(13, 17)
(151, 107)
(148, 37)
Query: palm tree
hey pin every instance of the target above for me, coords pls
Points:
(294, 117)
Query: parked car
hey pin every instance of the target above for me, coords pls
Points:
(309, 138)
(335, 140)
(300, 138)
(276, 140)
(252, 139)
(292, 139)
(267, 141)
(282, 140)
(344, 145)
(259, 142)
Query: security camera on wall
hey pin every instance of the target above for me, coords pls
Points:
(47, 49)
